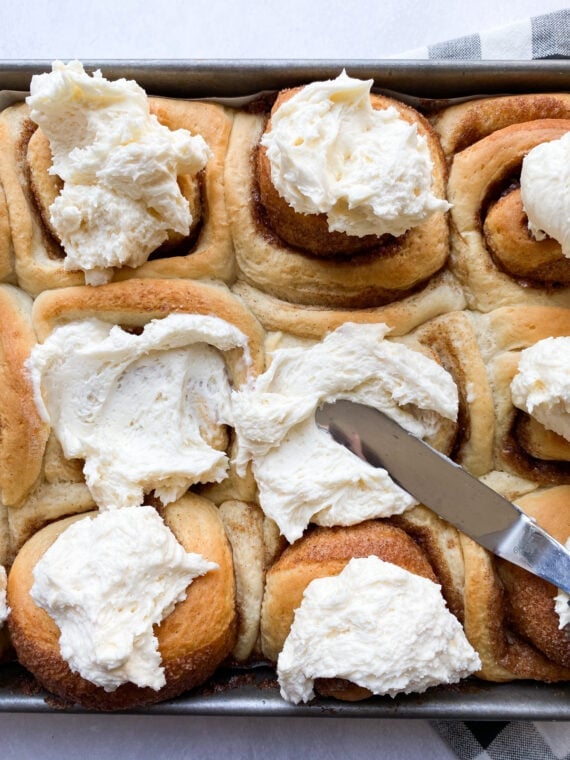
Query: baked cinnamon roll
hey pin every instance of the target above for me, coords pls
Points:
(157, 619)
(367, 229)
(510, 615)
(336, 643)
(116, 316)
(24, 434)
(509, 367)
(149, 203)
(302, 475)
(524, 350)
(148, 373)
(499, 251)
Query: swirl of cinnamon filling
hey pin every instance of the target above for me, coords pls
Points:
(494, 253)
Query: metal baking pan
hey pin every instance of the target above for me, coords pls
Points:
(430, 84)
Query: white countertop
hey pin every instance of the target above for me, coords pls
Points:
(327, 29)
(241, 29)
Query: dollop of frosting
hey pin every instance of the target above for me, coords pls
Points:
(106, 582)
(562, 603)
(544, 191)
(4, 609)
(541, 386)
(145, 411)
(378, 626)
(303, 475)
(119, 167)
(369, 170)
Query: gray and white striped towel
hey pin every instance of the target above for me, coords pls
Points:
(541, 37)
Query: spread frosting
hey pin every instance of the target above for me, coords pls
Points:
(368, 170)
(544, 191)
(541, 386)
(136, 571)
(562, 603)
(303, 475)
(145, 411)
(4, 610)
(119, 167)
(378, 626)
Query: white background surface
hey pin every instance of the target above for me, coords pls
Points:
(242, 29)
(104, 29)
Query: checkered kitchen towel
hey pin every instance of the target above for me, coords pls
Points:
(546, 36)
(541, 37)
(520, 740)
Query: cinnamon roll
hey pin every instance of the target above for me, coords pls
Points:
(186, 645)
(62, 235)
(499, 430)
(498, 253)
(520, 347)
(24, 433)
(324, 553)
(304, 235)
(61, 487)
(302, 475)
(510, 615)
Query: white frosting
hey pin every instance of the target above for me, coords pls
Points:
(141, 410)
(303, 475)
(541, 386)
(545, 191)
(368, 170)
(378, 626)
(119, 166)
(562, 603)
(106, 582)
(4, 609)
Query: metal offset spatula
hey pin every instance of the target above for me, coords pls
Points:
(445, 487)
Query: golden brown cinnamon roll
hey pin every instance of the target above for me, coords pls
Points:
(37, 483)
(497, 430)
(60, 487)
(202, 250)
(23, 433)
(327, 552)
(496, 252)
(525, 443)
(510, 615)
(195, 636)
(348, 256)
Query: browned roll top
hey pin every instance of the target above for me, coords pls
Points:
(193, 640)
